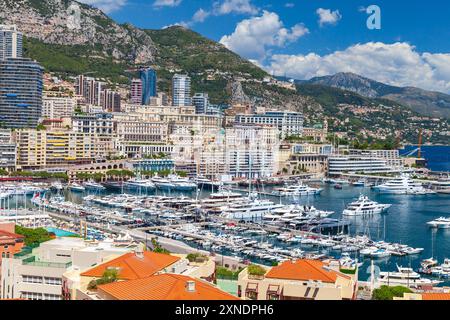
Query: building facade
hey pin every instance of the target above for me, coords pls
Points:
(181, 90)
(201, 102)
(251, 151)
(20, 93)
(58, 107)
(10, 42)
(287, 123)
(148, 83)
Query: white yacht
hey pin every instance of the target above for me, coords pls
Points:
(182, 184)
(163, 184)
(297, 190)
(402, 185)
(91, 185)
(364, 206)
(443, 270)
(405, 277)
(440, 223)
(249, 209)
(347, 261)
(140, 183)
(77, 187)
(221, 198)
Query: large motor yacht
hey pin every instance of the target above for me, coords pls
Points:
(297, 190)
(249, 209)
(364, 206)
(405, 277)
(402, 185)
(440, 223)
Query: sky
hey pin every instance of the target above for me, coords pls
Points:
(306, 38)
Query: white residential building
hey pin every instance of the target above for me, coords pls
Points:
(181, 90)
(58, 107)
(252, 151)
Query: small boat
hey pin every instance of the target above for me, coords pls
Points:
(338, 186)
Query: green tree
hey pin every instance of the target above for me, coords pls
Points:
(388, 293)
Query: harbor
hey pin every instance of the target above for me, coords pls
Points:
(400, 235)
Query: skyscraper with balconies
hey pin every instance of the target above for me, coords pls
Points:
(10, 42)
(20, 92)
(181, 90)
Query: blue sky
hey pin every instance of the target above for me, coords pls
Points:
(305, 38)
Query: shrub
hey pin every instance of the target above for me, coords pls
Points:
(256, 270)
(388, 293)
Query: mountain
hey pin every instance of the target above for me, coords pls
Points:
(70, 38)
(62, 22)
(422, 101)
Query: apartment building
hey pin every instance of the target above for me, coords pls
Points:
(58, 107)
(298, 280)
(8, 150)
(251, 151)
(37, 149)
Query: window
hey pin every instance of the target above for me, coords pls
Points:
(31, 279)
(31, 295)
(53, 281)
(48, 296)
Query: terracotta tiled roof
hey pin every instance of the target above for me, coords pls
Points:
(435, 296)
(130, 266)
(304, 270)
(164, 287)
(4, 233)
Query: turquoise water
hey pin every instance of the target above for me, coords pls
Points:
(60, 232)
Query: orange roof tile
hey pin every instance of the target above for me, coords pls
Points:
(164, 287)
(436, 296)
(130, 266)
(304, 270)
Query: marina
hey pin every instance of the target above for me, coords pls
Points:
(263, 227)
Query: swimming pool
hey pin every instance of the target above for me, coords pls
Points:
(60, 232)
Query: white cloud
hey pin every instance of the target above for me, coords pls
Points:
(289, 5)
(253, 37)
(167, 3)
(107, 6)
(234, 6)
(326, 16)
(396, 64)
(200, 15)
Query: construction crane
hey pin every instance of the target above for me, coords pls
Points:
(419, 154)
